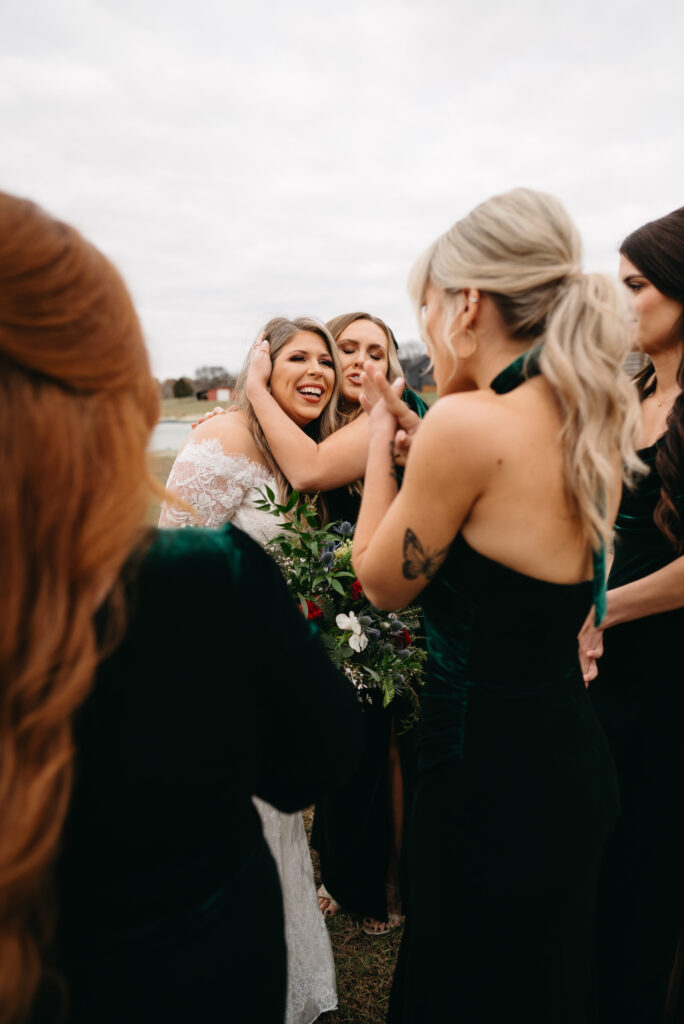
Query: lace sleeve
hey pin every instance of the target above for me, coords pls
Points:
(213, 482)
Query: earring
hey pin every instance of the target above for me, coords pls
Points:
(471, 334)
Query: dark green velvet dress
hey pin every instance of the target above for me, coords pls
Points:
(639, 697)
(515, 797)
(351, 829)
(169, 900)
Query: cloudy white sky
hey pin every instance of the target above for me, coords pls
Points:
(242, 159)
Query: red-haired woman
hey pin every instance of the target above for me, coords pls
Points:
(135, 882)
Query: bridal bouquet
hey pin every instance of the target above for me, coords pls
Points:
(374, 649)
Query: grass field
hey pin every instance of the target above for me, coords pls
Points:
(186, 408)
(364, 963)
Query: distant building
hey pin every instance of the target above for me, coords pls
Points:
(217, 394)
(635, 362)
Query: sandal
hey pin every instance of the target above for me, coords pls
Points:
(331, 907)
(371, 926)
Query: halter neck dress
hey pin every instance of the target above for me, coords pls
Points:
(515, 797)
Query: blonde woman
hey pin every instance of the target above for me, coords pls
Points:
(218, 472)
(338, 460)
(358, 829)
(511, 487)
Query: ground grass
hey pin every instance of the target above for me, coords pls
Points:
(364, 963)
(186, 408)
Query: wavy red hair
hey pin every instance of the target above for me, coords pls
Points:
(77, 404)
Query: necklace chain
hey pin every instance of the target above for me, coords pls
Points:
(659, 401)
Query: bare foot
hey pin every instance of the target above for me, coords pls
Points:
(329, 906)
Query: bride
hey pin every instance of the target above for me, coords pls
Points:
(217, 472)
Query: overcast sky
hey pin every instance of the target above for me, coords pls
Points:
(240, 160)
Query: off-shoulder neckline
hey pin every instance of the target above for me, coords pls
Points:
(237, 456)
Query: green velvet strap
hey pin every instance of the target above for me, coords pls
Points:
(516, 373)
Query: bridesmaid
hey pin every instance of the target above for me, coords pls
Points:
(511, 487)
(358, 829)
(638, 691)
(136, 883)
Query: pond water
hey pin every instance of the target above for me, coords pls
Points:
(169, 436)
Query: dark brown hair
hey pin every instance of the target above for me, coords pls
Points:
(77, 404)
(657, 251)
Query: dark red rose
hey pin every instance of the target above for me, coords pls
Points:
(401, 639)
(315, 612)
(356, 590)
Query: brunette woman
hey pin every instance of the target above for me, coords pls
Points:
(510, 490)
(135, 881)
(639, 689)
(358, 829)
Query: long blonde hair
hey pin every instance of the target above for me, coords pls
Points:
(77, 405)
(523, 250)
(394, 370)
(278, 331)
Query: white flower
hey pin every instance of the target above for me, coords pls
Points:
(358, 640)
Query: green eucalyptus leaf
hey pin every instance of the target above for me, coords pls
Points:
(292, 501)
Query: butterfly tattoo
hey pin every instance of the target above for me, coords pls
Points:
(417, 562)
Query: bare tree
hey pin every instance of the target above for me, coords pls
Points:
(213, 377)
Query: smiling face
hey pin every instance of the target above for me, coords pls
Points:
(303, 377)
(360, 341)
(655, 314)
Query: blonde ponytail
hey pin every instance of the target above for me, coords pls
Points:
(582, 358)
(522, 249)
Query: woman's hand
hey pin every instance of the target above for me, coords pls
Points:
(381, 417)
(590, 640)
(376, 388)
(260, 367)
(218, 410)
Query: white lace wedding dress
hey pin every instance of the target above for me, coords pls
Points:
(222, 488)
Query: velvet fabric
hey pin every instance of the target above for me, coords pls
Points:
(515, 797)
(169, 900)
(639, 697)
(351, 829)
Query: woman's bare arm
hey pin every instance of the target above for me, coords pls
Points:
(309, 466)
(660, 591)
(402, 538)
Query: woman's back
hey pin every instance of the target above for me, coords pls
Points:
(201, 706)
(522, 516)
